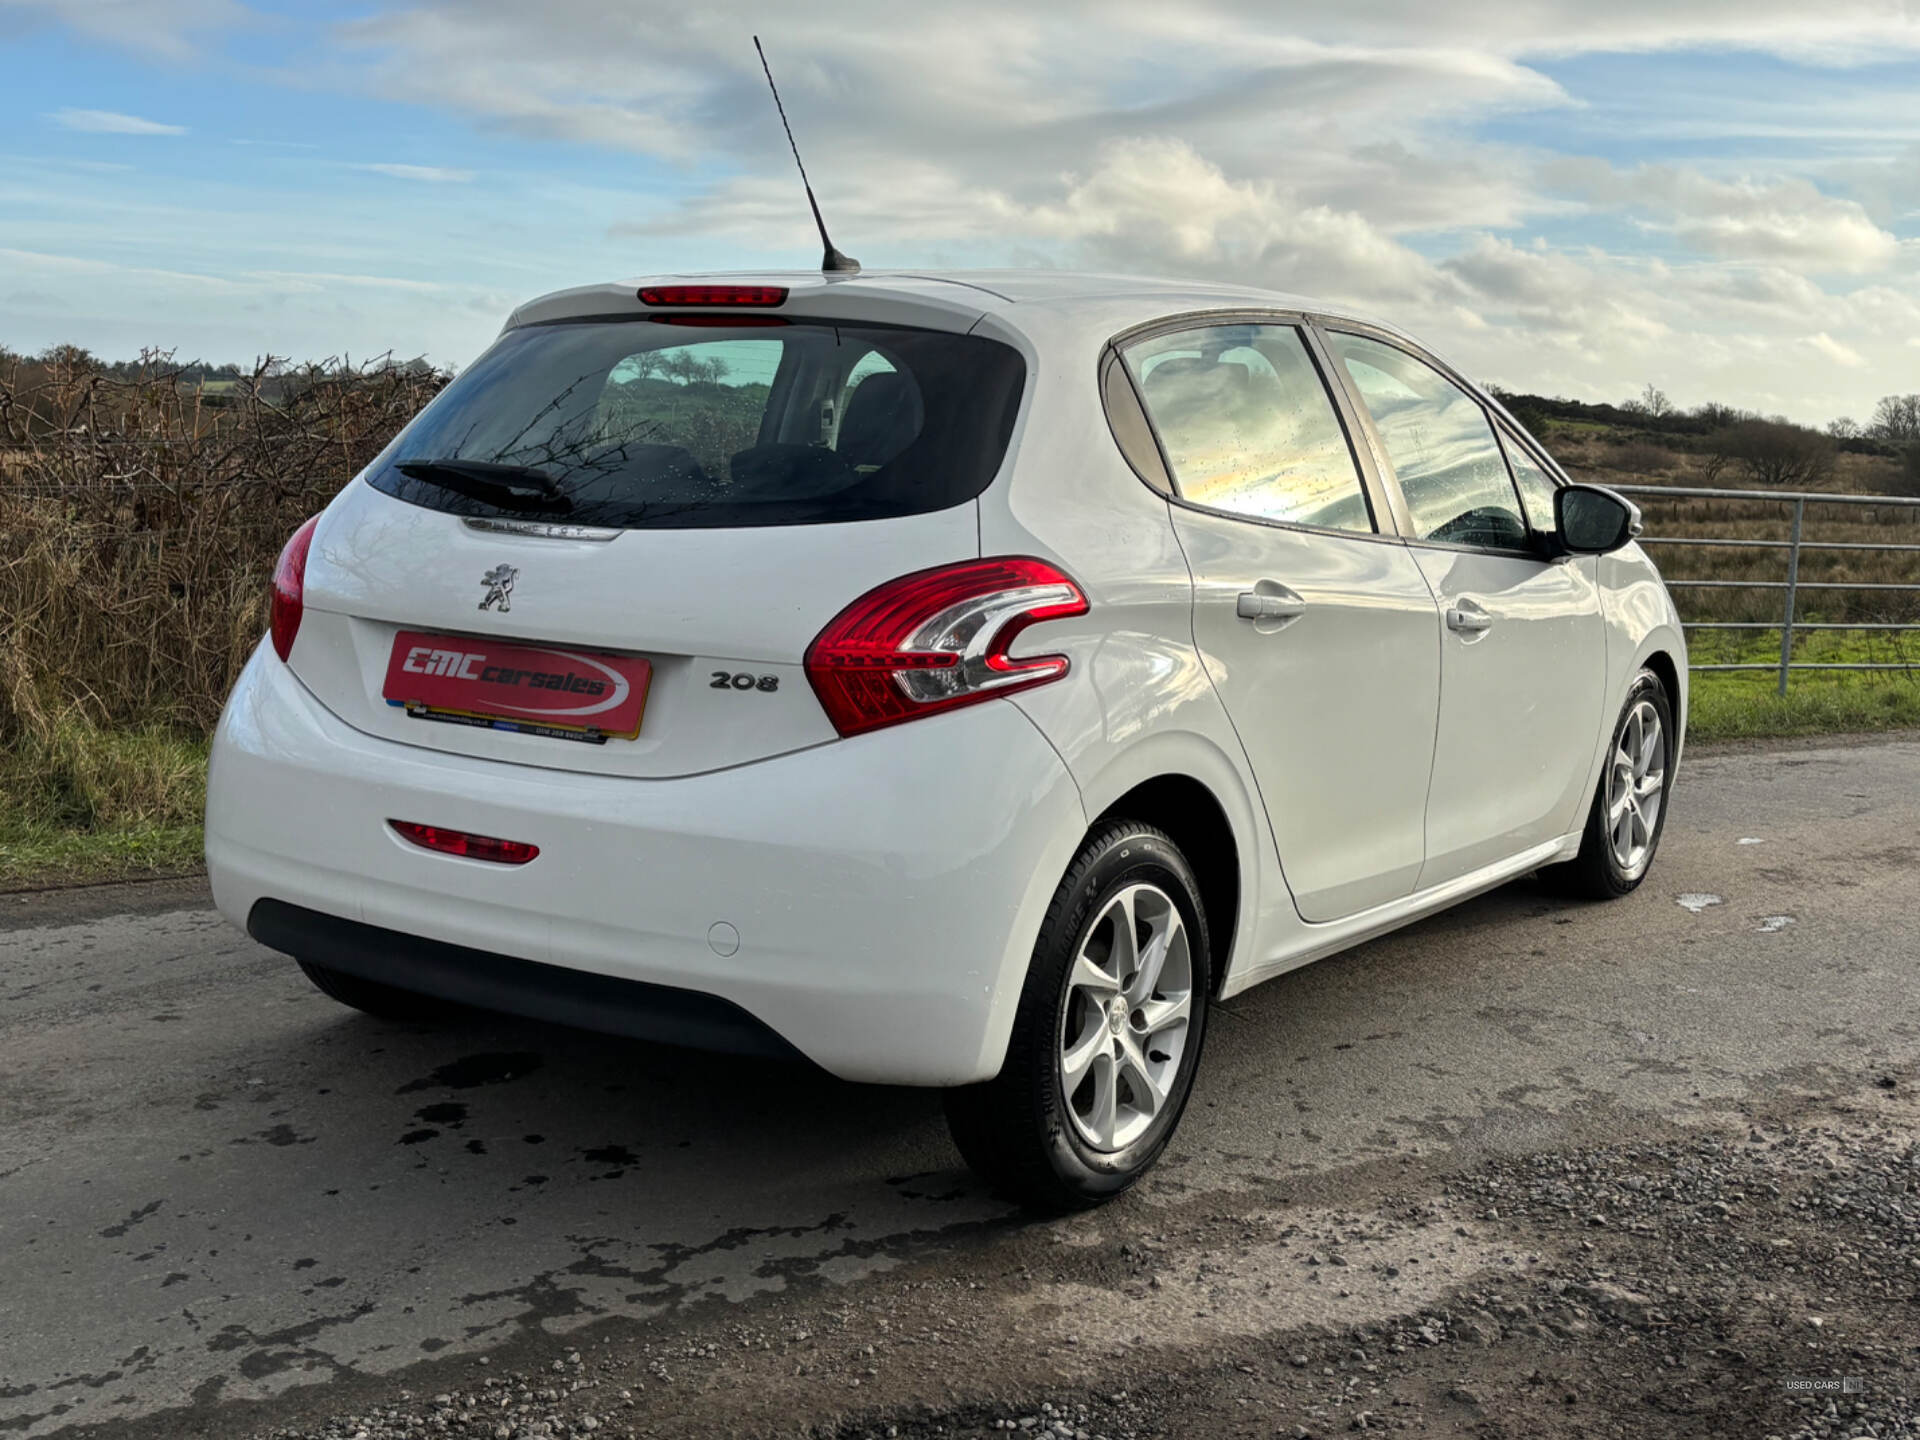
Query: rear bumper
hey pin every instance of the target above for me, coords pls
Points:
(871, 902)
(518, 987)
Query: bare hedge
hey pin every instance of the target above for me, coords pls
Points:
(140, 517)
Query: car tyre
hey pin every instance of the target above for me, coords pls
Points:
(388, 1002)
(1618, 846)
(1107, 1035)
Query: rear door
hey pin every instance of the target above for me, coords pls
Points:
(1318, 631)
(1523, 657)
(701, 493)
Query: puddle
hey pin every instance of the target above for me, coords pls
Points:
(1696, 902)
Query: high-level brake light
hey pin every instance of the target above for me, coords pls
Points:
(714, 295)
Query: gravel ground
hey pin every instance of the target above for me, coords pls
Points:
(1673, 1286)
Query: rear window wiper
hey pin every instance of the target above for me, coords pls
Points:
(520, 487)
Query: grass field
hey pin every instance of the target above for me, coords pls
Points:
(1744, 705)
(87, 804)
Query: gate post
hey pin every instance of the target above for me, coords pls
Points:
(1793, 583)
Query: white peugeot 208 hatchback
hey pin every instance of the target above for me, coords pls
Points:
(958, 680)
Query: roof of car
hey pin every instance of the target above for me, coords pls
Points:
(1114, 302)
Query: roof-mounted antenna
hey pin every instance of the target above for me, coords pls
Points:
(833, 261)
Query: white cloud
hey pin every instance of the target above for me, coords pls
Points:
(317, 281)
(1784, 221)
(112, 122)
(1337, 151)
(1157, 204)
(430, 174)
(29, 260)
(166, 28)
(1828, 348)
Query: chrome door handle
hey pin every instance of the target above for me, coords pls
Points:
(1470, 621)
(1253, 606)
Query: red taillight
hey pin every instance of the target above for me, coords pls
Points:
(289, 589)
(762, 295)
(459, 842)
(937, 639)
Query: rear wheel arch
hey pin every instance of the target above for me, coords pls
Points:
(1195, 820)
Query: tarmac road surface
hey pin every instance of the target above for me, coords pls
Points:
(228, 1204)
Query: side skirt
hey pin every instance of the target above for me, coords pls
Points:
(1309, 942)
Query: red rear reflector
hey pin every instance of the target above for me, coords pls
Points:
(459, 842)
(762, 295)
(938, 639)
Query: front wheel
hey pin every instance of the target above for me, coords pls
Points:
(1107, 1035)
(1629, 809)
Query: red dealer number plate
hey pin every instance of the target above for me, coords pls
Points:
(540, 690)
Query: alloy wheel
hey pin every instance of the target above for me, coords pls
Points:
(1128, 1010)
(1636, 788)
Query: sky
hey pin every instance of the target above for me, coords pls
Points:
(1717, 197)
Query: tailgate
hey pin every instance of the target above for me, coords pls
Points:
(722, 617)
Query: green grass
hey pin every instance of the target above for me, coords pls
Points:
(36, 857)
(82, 804)
(1745, 705)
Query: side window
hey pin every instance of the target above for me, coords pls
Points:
(1248, 427)
(1441, 445)
(1536, 486)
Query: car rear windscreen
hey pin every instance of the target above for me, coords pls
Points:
(653, 424)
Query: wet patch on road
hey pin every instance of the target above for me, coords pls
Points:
(114, 1232)
(473, 1071)
(619, 1156)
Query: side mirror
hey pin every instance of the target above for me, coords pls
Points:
(1593, 520)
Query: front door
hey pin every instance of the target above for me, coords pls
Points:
(1319, 633)
(1523, 653)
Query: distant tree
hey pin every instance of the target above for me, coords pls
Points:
(1654, 402)
(1772, 452)
(1845, 428)
(68, 357)
(1896, 417)
(643, 366)
(690, 369)
(1524, 408)
(1716, 416)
